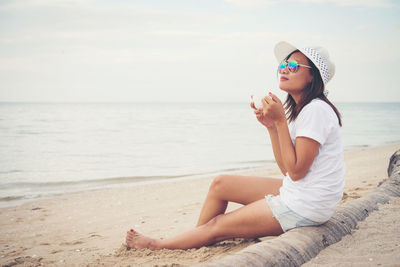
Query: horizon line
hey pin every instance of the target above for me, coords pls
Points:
(161, 102)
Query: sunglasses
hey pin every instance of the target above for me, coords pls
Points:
(292, 65)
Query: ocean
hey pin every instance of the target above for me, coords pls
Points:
(54, 148)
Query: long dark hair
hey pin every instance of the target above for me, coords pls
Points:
(315, 89)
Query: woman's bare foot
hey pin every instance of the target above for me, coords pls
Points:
(136, 240)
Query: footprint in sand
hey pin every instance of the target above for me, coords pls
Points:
(182, 211)
(25, 261)
(71, 243)
(94, 235)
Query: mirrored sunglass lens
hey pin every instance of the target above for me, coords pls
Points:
(282, 66)
(292, 66)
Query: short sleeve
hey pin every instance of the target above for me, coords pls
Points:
(315, 121)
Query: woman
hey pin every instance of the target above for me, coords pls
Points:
(308, 151)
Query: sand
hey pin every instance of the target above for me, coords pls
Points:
(88, 228)
(374, 242)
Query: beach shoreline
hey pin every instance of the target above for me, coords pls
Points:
(269, 166)
(88, 228)
(167, 179)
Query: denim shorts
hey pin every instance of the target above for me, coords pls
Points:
(287, 218)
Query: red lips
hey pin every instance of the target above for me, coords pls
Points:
(283, 79)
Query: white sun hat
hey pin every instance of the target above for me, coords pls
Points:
(318, 55)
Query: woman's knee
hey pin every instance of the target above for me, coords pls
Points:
(219, 183)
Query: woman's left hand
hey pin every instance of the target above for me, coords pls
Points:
(273, 108)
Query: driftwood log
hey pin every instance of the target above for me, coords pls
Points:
(300, 245)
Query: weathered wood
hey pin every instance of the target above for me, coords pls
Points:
(299, 245)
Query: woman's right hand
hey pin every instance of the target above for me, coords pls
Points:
(261, 118)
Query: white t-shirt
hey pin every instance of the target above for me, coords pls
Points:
(316, 195)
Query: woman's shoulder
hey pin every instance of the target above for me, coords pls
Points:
(318, 104)
(318, 107)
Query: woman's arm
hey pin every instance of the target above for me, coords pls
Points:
(297, 159)
(273, 134)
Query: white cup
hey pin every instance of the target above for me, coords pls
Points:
(257, 101)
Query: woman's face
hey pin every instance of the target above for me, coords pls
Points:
(294, 83)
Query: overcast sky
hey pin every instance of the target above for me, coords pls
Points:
(190, 50)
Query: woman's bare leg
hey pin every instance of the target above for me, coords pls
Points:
(235, 188)
(250, 221)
